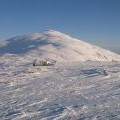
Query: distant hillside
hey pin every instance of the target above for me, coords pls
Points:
(56, 45)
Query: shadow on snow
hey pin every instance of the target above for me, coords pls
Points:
(22, 46)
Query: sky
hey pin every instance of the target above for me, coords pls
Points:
(94, 21)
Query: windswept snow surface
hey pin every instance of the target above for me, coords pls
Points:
(79, 91)
(69, 90)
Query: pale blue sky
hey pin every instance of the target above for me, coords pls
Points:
(95, 21)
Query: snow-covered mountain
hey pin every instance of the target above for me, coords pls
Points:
(62, 91)
(55, 45)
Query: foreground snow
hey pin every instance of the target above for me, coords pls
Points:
(75, 91)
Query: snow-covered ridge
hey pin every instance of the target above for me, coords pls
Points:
(56, 45)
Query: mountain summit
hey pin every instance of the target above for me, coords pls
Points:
(55, 45)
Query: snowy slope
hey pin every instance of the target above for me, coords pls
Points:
(86, 90)
(58, 46)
